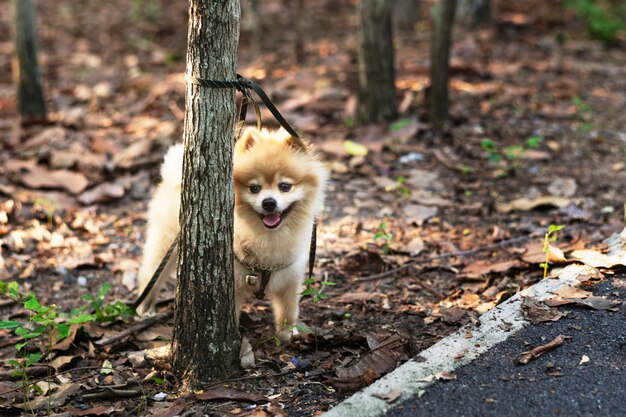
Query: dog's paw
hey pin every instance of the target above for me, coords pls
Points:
(246, 354)
(285, 335)
(143, 312)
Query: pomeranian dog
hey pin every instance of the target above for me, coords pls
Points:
(279, 190)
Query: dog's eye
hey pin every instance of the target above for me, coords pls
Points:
(255, 188)
(284, 187)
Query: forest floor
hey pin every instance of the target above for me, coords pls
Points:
(420, 235)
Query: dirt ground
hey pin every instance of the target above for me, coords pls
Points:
(420, 235)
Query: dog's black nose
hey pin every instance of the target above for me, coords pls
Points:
(269, 204)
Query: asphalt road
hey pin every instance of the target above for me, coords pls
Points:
(554, 384)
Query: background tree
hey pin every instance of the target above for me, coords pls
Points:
(474, 12)
(30, 100)
(442, 16)
(206, 339)
(377, 93)
(405, 13)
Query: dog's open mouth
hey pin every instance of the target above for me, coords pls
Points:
(274, 219)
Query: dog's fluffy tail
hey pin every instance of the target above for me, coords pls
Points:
(172, 168)
(162, 228)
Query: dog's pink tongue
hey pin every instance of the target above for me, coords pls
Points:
(272, 219)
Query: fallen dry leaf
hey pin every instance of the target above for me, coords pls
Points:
(481, 268)
(102, 193)
(415, 246)
(345, 385)
(536, 352)
(40, 177)
(525, 204)
(102, 410)
(597, 259)
(360, 296)
(381, 360)
(418, 214)
(175, 409)
(56, 399)
(222, 393)
(389, 397)
(537, 312)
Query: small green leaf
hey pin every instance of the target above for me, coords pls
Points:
(14, 292)
(64, 331)
(158, 380)
(14, 362)
(9, 324)
(107, 367)
(555, 227)
(32, 358)
(32, 304)
(83, 318)
(20, 331)
(31, 335)
(19, 346)
(354, 149)
(400, 124)
(37, 389)
(308, 281)
(307, 291)
(328, 283)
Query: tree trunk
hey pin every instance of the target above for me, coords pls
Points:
(405, 13)
(442, 21)
(206, 339)
(474, 12)
(377, 93)
(30, 101)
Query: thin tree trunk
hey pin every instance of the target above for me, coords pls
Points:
(474, 12)
(30, 100)
(377, 93)
(405, 13)
(443, 19)
(206, 340)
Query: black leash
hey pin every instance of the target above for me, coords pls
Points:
(243, 85)
(156, 274)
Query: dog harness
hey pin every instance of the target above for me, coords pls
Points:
(258, 271)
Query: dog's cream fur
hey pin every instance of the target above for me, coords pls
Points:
(264, 161)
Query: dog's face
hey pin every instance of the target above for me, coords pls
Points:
(277, 180)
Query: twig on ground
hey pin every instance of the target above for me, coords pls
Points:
(142, 325)
(442, 256)
(540, 350)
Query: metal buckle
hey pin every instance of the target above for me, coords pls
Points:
(252, 279)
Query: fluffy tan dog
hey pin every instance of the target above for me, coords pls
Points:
(279, 190)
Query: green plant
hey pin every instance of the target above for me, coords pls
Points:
(605, 19)
(585, 114)
(534, 141)
(44, 325)
(383, 235)
(105, 312)
(399, 186)
(315, 289)
(48, 206)
(549, 237)
(490, 146)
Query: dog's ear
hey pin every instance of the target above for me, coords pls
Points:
(296, 143)
(248, 138)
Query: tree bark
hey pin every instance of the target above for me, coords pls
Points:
(377, 93)
(206, 339)
(30, 100)
(405, 13)
(474, 12)
(442, 22)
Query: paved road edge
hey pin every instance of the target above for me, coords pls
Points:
(456, 350)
